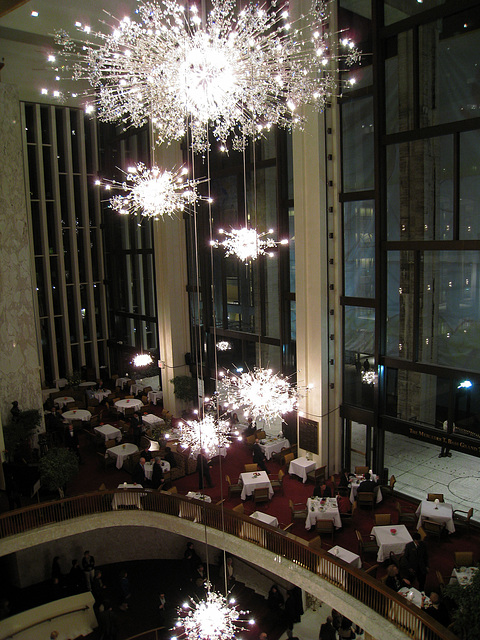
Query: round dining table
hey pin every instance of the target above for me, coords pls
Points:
(77, 414)
(61, 402)
(122, 405)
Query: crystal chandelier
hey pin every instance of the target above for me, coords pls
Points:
(368, 377)
(209, 434)
(246, 243)
(237, 73)
(142, 360)
(153, 193)
(223, 345)
(214, 618)
(261, 394)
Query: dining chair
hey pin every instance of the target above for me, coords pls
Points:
(129, 397)
(387, 489)
(463, 559)
(440, 580)
(366, 499)
(260, 435)
(324, 527)
(287, 458)
(464, 519)
(239, 508)
(383, 519)
(422, 533)
(405, 518)
(233, 489)
(110, 443)
(278, 455)
(278, 483)
(315, 543)
(105, 461)
(298, 511)
(317, 475)
(361, 471)
(433, 528)
(129, 411)
(261, 495)
(348, 517)
(435, 496)
(250, 441)
(251, 467)
(365, 546)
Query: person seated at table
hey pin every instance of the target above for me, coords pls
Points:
(394, 581)
(438, 609)
(157, 474)
(344, 504)
(259, 456)
(138, 475)
(368, 485)
(345, 478)
(322, 490)
(145, 453)
(170, 458)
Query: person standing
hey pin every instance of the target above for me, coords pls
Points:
(416, 560)
(157, 474)
(327, 630)
(88, 566)
(71, 441)
(203, 468)
(259, 456)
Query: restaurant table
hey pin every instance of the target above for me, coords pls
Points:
(347, 556)
(265, 518)
(128, 498)
(137, 387)
(193, 512)
(443, 514)
(357, 482)
(415, 596)
(87, 384)
(301, 467)
(322, 509)
(101, 394)
(121, 382)
(255, 480)
(199, 496)
(130, 402)
(153, 396)
(61, 402)
(46, 393)
(463, 575)
(271, 445)
(149, 468)
(121, 452)
(77, 414)
(389, 542)
(61, 382)
(109, 432)
(152, 420)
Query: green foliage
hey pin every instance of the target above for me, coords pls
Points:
(74, 379)
(184, 388)
(466, 618)
(16, 432)
(58, 467)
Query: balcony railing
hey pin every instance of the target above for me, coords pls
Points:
(366, 589)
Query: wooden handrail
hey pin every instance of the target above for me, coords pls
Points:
(366, 589)
(47, 619)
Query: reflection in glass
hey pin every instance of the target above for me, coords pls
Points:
(357, 144)
(359, 248)
(358, 356)
(400, 299)
(469, 186)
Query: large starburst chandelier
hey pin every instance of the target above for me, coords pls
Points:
(209, 434)
(237, 73)
(246, 243)
(261, 394)
(154, 193)
(142, 360)
(214, 618)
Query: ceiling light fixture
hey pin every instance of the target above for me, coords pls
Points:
(246, 243)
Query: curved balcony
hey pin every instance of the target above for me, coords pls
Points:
(359, 596)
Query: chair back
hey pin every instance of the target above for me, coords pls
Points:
(361, 471)
(239, 508)
(392, 481)
(288, 458)
(172, 490)
(463, 558)
(281, 475)
(251, 467)
(382, 519)
(110, 443)
(251, 440)
(422, 533)
(229, 482)
(366, 498)
(435, 496)
(433, 528)
(324, 526)
(261, 495)
(260, 435)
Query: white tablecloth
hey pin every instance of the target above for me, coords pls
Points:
(193, 512)
(125, 404)
(153, 396)
(414, 595)
(389, 542)
(109, 432)
(354, 489)
(120, 382)
(255, 480)
(443, 515)
(77, 414)
(326, 511)
(300, 467)
(199, 496)
(122, 451)
(463, 575)
(152, 420)
(87, 384)
(149, 468)
(101, 394)
(61, 402)
(265, 518)
(128, 498)
(346, 556)
(269, 446)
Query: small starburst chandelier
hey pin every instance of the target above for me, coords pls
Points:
(223, 345)
(237, 73)
(209, 434)
(368, 377)
(261, 394)
(246, 243)
(142, 360)
(153, 193)
(214, 618)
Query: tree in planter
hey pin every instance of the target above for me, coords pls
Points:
(185, 388)
(57, 468)
(466, 617)
(17, 432)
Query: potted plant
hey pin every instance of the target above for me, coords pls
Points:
(185, 388)
(466, 619)
(57, 468)
(18, 431)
